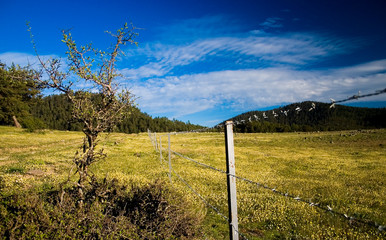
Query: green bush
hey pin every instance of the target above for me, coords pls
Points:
(32, 124)
(109, 211)
(15, 169)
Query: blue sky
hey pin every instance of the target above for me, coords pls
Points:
(207, 61)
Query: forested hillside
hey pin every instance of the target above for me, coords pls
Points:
(20, 98)
(310, 116)
(55, 112)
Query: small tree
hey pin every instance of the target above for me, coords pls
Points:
(18, 93)
(99, 107)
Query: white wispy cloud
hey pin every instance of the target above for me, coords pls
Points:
(257, 69)
(272, 22)
(253, 88)
(294, 49)
(23, 59)
(364, 69)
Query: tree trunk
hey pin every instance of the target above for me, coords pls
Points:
(17, 124)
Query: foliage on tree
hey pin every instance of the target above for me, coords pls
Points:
(19, 92)
(88, 66)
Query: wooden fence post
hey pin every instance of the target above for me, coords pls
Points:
(160, 149)
(170, 161)
(155, 141)
(231, 181)
(148, 132)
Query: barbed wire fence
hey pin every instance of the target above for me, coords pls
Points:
(264, 115)
(232, 219)
(235, 233)
(326, 208)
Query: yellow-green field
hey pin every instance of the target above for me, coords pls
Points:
(344, 170)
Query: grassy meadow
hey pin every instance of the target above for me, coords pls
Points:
(344, 170)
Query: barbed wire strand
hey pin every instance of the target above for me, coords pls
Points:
(199, 163)
(264, 116)
(285, 112)
(195, 192)
(326, 208)
(208, 204)
(357, 96)
(201, 197)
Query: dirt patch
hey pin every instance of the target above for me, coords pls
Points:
(36, 172)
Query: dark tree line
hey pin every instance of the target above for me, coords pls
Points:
(311, 116)
(20, 96)
(55, 112)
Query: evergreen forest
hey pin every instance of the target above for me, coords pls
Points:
(55, 112)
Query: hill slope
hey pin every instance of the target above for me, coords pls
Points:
(55, 111)
(310, 116)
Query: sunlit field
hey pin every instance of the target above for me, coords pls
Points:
(342, 170)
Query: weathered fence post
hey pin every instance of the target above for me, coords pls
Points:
(148, 132)
(231, 181)
(151, 137)
(160, 149)
(155, 140)
(170, 161)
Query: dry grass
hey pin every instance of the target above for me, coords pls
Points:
(345, 170)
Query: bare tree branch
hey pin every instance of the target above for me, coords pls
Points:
(99, 111)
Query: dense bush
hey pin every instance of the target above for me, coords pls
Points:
(110, 211)
(32, 124)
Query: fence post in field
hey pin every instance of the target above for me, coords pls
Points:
(151, 139)
(160, 149)
(155, 141)
(231, 181)
(170, 162)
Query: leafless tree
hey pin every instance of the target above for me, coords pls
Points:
(100, 107)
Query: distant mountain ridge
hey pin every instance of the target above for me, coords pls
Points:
(310, 116)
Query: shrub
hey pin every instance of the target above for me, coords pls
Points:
(32, 124)
(15, 169)
(110, 211)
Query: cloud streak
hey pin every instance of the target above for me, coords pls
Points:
(23, 59)
(265, 50)
(272, 22)
(245, 71)
(254, 88)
